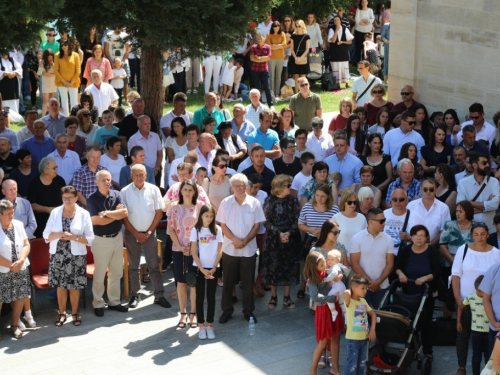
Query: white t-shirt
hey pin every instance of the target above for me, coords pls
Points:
(299, 181)
(113, 166)
(349, 226)
(208, 244)
(118, 83)
(116, 45)
(394, 225)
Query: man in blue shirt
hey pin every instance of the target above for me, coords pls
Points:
(241, 126)
(267, 138)
(346, 164)
(208, 110)
(39, 145)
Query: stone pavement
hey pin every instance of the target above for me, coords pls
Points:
(147, 341)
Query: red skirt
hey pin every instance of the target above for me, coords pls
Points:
(325, 327)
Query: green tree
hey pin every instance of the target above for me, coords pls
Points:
(300, 8)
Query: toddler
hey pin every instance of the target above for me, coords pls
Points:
(228, 79)
(334, 277)
(238, 75)
(335, 177)
(201, 174)
(287, 90)
(370, 51)
(119, 75)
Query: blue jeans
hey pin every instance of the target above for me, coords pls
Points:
(374, 299)
(356, 357)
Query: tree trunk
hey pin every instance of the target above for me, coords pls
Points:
(151, 82)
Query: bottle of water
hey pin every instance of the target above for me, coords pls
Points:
(251, 326)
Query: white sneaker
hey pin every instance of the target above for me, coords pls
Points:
(202, 335)
(272, 108)
(188, 92)
(31, 322)
(21, 326)
(334, 315)
(210, 333)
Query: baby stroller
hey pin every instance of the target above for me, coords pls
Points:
(315, 60)
(397, 342)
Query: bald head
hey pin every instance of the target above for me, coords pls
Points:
(9, 189)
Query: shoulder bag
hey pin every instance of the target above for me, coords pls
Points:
(301, 60)
(367, 88)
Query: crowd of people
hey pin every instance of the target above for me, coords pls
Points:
(256, 198)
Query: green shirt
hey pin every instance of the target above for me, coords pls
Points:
(46, 45)
(202, 113)
(357, 319)
(305, 109)
(480, 322)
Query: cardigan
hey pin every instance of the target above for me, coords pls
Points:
(81, 225)
(67, 68)
(403, 259)
(6, 245)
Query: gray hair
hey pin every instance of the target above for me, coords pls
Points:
(100, 173)
(141, 117)
(40, 120)
(365, 192)
(239, 177)
(7, 139)
(96, 71)
(403, 161)
(136, 167)
(60, 135)
(44, 163)
(317, 121)
(5, 205)
(253, 91)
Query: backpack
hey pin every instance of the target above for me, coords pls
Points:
(328, 81)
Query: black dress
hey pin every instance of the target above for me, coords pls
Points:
(87, 45)
(378, 169)
(339, 53)
(299, 47)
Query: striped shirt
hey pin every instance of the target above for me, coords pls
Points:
(314, 219)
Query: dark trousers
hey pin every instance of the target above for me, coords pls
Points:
(120, 96)
(245, 268)
(158, 178)
(201, 292)
(359, 38)
(261, 79)
(33, 88)
(480, 350)
(180, 81)
(425, 325)
(463, 338)
(492, 336)
(135, 72)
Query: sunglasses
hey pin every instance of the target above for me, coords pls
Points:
(484, 162)
(377, 92)
(222, 166)
(398, 199)
(304, 85)
(428, 190)
(405, 93)
(478, 225)
(85, 101)
(50, 34)
(288, 185)
(475, 117)
(298, 26)
(350, 203)
(276, 123)
(335, 232)
(86, 115)
(381, 221)
(411, 122)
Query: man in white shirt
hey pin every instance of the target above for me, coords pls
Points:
(307, 161)
(361, 87)
(206, 150)
(240, 216)
(485, 199)
(484, 130)
(318, 142)
(151, 144)
(396, 216)
(395, 138)
(103, 93)
(265, 26)
(372, 256)
(434, 212)
(254, 108)
(248, 162)
(67, 161)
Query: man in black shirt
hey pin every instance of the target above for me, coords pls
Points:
(128, 127)
(288, 163)
(8, 160)
(107, 211)
(258, 157)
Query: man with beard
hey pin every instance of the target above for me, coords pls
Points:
(481, 190)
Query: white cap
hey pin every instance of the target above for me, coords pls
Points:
(290, 82)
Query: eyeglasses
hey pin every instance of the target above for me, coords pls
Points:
(405, 93)
(49, 35)
(239, 186)
(484, 162)
(350, 203)
(431, 190)
(222, 166)
(86, 114)
(335, 232)
(474, 117)
(377, 92)
(304, 85)
(410, 122)
(381, 221)
(398, 199)
(68, 199)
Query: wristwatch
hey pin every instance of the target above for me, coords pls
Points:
(149, 232)
(105, 213)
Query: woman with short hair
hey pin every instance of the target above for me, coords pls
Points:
(87, 102)
(98, 61)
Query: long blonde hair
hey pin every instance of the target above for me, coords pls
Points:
(303, 27)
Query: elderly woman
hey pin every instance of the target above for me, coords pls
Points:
(312, 216)
(43, 193)
(471, 260)
(87, 102)
(67, 68)
(14, 275)
(182, 216)
(282, 242)
(366, 198)
(76, 142)
(367, 175)
(320, 176)
(69, 230)
(98, 61)
(86, 128)
(217, 186)
(409, 151)
(112, 160)
(350, 222)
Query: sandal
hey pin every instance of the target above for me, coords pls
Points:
(60, 322)
(321, 363)
(182, 324)
(16, 332)
(174, 295)
(193, 322)
(288, 302)
(77, 320)
(146, 279)
(273, 302)
(301, 294)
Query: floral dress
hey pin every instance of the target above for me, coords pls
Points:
(14, 286)
(280, 260)
(67, 271)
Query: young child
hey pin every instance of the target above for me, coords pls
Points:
(287, 90)
(119, 75)
(103, 133)
(479, 327)
(118, 115)
(358, 329)
(206, 249)
(370, 52)
(238, 75)
(335, 279)
(335, 177)
(228, 79)
(201, 174)
(307, 161)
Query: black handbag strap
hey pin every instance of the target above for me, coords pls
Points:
(465, 252)
(405, 224)
(367, 88)
(480, 190)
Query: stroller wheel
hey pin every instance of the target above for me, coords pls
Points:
(426, 366)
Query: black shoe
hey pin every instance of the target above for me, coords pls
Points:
(247, 317)
(99, 311)
(224, 318)
(163, 302)
(234, 299)
(134, 301)
(119, 308)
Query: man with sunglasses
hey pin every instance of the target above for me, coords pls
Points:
(434, 212)
(407, 103)
(51, 41)
(484, 130)
(396, 218)
(372, 256)
(395, 138)
(305, 105)
(406, 181)
(481, 190)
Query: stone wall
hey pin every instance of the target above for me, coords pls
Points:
(448, 50)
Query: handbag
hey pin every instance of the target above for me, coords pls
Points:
(301, 60)
(488, 369)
